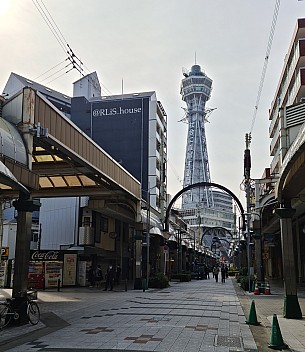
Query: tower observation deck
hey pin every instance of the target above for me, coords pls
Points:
(196, 91)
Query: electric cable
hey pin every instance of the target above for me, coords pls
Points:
(49, 24)
(74, 60)
(64, 39)
(52, 68)
(269, 45)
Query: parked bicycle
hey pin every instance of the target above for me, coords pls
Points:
(7, 311)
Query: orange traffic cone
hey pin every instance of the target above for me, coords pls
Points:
(267, 289)
(256, 290)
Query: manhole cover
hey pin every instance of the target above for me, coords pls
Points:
(228, 341)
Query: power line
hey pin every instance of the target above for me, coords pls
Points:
(64, 39)
(50, 25)
(74, 60)
(269, 45)
(56, 78)
(53, 74)
(52, 68)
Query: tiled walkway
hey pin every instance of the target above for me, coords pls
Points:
(194, 316)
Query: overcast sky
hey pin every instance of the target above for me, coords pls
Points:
(147, 44)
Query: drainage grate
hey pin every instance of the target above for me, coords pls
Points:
(228, 341)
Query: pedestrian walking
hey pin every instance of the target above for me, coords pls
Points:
(227, 271)
(109, 278)
(223, 274)
(118, 275)
(99, 276)
(216, 272)
(207, 272)
(91, 276)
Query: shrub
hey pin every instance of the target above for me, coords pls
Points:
(158, 281)
(244, 282)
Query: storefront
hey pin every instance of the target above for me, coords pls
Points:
(52, 268)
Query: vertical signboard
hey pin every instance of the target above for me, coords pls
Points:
(69, 276)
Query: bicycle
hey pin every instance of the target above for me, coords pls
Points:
(7, 311)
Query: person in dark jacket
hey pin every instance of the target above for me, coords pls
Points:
(99, 276)
(91, 276)
(118, 275)
(216, 272)
(109, 278)
(223, 274)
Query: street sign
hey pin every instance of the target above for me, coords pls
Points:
(165, 249)
(4, 252)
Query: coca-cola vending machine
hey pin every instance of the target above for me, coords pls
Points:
(47, 267)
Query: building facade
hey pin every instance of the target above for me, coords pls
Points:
(279, 207)
(105, 232)
(132, 128)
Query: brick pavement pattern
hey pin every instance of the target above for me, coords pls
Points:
(193, 316)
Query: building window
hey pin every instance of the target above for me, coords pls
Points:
(104, 224)
(86, 221)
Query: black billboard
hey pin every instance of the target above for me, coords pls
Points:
(120, 127)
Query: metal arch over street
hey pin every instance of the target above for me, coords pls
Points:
(203, 184)
(208, 229)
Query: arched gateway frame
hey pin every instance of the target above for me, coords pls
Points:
(203, 184)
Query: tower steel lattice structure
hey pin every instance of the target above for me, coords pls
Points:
(196, 90)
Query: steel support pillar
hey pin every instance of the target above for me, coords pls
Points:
(292, 308)
(25, 207)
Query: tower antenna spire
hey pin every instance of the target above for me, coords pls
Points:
(195, 58)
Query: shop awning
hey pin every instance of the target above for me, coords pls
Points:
(8, 180)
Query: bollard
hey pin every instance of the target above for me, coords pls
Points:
(143, 284)
(125, 285)
(43, 284)
(58, 285)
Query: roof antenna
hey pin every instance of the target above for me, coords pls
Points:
(195, 59)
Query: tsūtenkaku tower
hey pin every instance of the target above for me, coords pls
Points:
(208, 212)
(196, 91)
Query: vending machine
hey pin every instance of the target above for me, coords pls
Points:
(36, 275)
(53, 274)
(3, 273)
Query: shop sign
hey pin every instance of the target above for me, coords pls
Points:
(69, 275)
(4, 252)
(46, 255)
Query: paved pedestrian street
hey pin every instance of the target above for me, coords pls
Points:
(194, 316)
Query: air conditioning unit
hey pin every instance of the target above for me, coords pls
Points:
(86, 236)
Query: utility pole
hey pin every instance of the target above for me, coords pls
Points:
(147, 238)
(247, 168)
